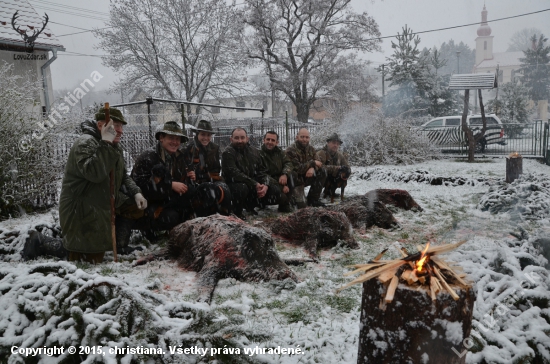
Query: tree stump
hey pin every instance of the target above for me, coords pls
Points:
(514, 167)
(413, 328)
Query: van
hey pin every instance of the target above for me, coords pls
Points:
(446, 131)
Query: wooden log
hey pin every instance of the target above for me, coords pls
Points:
(412, 328)
(514, 167)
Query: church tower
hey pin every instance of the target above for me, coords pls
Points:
(484, 40)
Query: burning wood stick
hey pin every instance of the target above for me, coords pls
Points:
(423, 270)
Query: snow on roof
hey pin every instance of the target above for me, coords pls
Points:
(472, 81)
(27, 18)
(503, 59)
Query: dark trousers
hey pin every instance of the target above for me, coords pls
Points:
(244, 196)
(317, 182)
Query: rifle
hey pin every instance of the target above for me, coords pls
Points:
(112, 192)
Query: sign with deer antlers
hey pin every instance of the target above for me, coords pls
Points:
(29, 39)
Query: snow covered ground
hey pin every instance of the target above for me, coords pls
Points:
(48, 303)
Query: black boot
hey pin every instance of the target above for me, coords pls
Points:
(123, 231)
(38, 245)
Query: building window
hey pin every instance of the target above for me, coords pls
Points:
(240, 104)
(485, 45)
(265, 105)
(215, 110)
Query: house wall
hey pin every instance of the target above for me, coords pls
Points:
(23, 65)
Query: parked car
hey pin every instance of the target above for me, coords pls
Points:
(446, 131)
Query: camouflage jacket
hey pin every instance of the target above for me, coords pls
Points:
(174, 170)
(205, 161)
(244, 166)
(332, 161)
(302, 159)
(276, 162)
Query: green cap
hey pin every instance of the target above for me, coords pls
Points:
(335, 137)
(114, 114)
(204, 125)
(171, 128)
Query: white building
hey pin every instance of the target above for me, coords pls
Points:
(13, 49)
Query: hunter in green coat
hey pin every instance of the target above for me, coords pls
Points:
(84, 205)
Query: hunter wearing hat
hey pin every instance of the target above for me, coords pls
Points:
(309, 170)
(85, 201)
(202, 157)
(336, 165)
(279, 167)
(161, 174)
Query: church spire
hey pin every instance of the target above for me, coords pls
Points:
(484, 29)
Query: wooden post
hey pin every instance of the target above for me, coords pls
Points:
(412, 328)
(514, 167)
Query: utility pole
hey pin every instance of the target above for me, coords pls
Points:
(383, 76)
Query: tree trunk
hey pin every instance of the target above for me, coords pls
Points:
(466, 129)
(413, 328)
(514, 167)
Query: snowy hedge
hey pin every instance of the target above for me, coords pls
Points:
(29, 168)
(57, 304)
(370, 138)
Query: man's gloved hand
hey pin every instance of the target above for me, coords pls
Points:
(108, 132)
(141, 202)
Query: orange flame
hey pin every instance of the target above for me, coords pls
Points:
(423, 258)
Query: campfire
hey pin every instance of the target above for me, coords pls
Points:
(424, 269)
(514, 155)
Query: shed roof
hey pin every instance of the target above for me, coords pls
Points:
(473, 81)
(27, 19)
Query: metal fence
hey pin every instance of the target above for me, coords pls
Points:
(529, 140)
(137, 137)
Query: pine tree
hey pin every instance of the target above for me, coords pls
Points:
(535, 68)
(421, 90)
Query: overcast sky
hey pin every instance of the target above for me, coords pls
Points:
(391, 15)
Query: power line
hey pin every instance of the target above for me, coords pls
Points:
(70, 13)
(377, 38)
(109, 27)
(70, 26)
(68, 7)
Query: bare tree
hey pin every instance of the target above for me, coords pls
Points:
(521, 40)
(182, 49)
(302, 44)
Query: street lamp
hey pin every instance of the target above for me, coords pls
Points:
(458, 62)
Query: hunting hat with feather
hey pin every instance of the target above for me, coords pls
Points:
(171, 128)
(335, 137)
(204, 125)
(114, 114)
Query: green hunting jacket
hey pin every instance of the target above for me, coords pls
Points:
(205, 161)
(276, 162)
(85, 204)
(244, 166)
(302, 159)
(332, 161)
